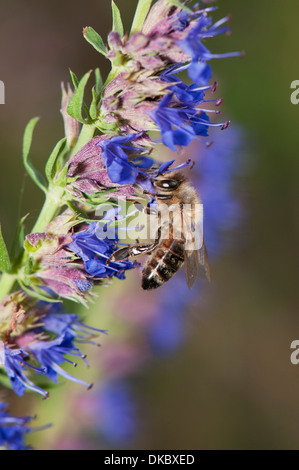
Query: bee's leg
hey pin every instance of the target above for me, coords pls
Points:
(134, 250)
(138, 206)
(149, 211)
(127, 251)
(146, 210)
(142, 249)
(120, 254)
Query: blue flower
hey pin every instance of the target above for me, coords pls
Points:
(166, 331)
(120, 169)
(191, 94)
(198, 69)
(15, 364)
(51, 354)
(95, 252)
(13, 430)
(214, 178)
(180, 123)
(69, 323)
(117, 413)
(165, 167)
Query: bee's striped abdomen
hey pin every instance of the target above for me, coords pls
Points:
(163, 263)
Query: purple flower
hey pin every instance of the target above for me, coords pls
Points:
(95, 252)
(13, 430)
(54, 267)
(66, 282)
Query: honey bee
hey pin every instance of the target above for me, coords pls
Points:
(179, 237)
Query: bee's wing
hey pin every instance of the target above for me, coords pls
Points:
(205, 270)
(196, 265)
(196, 258)
(191, 267)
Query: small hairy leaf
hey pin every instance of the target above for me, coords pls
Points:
(32, 172)
(59, 148)
(5, 264)
(37, 293)
(95, 40)
(93, 106)
(99, 81)
(18, 239)
(74, 79)
(117, 24)
(76, 102)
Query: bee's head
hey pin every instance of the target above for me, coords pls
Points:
(168, 183)
(175, 187)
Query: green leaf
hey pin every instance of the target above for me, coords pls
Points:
(93, 107)
(29, 262)
(5, 264)
(96, 94)
(79, 212)
(74, 79)
(32, 172)
(76, 102)
(37, 293)
(99, 81)
(19, 238)
(117, 24)
(59, 148)
(61, 177)
(95, 40)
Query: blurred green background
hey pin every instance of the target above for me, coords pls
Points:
(232, 385)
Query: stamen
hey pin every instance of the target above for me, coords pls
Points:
(214, 87)
(225, 126)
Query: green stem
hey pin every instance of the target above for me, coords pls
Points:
(140, 15)
(50, 208)
(6, 284)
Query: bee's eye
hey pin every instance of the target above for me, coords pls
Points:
(167, 185)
